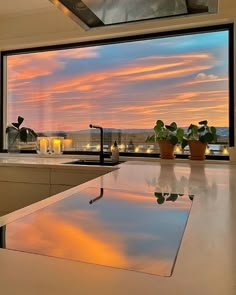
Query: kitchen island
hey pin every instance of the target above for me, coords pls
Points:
(205, 262)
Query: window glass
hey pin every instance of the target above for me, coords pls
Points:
(123, 87)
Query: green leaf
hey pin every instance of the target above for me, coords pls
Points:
(159, 124)
(27, 134)
(190, 127)
(23, 134)
(162, 134)
(208, 137)
(17, 125)
(201, 129)
(184, 143)
(150, 138)
(33, 133)
(204, 122)
(171, 128)
(20, 120)
(180, 134)
(173, 139)
(174, 125)
(214, 138)
(213, 130)
(193, 128)
(157, 129)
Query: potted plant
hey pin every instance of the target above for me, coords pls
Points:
(167, 137)
(16, 135)
(197, 138)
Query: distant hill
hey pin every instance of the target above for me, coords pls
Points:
(221, 131)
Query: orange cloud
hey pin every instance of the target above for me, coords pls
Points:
(76, 95)
(76, 236)
(75, 106)
(169, 74)
(29, 66)
(51, 235)
(204, 81)
(78, 53)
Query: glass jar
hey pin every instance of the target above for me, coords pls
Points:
(42, 147)
(56, 145)
(13, 141)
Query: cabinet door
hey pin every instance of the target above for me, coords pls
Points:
(14, 196)
(25, 174)
(58, 188)
(76, 176)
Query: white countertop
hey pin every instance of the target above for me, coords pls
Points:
(205, 263)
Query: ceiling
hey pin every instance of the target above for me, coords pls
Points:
(16, 7)
(30, 23)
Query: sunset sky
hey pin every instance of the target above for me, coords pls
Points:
(126, 85)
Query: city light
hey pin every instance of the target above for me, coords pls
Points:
(178, 150)
(122, 147)
(225, 151)
(136, 149)
(208, 151)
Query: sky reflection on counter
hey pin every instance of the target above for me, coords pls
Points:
(121, 229)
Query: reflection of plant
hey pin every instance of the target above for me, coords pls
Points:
(167, 187)
(167, 182)
(25, 134)
(163, 197)
(166, 132)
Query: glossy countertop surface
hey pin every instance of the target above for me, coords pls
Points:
(132, 230)
(205, 263)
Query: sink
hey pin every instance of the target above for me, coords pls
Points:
(94, 162)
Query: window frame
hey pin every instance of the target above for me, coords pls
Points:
(188, 31)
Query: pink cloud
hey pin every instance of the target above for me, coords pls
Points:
(69, 96)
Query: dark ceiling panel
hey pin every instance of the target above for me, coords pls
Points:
(98, 13)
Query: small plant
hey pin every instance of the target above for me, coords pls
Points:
(24, 134)
(203, 133)
(166, 132)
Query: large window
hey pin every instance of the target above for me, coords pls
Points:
(124, 86)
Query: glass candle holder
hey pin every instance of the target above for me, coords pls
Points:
(56, 145)
(42, 146)
(67, 144)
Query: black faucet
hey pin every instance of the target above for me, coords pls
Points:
(101, 154)
(97, 198)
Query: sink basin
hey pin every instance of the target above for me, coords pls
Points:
(94, 162)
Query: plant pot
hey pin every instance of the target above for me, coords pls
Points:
(14, 143)
(166, 149)
(197, 149)
(13, 140)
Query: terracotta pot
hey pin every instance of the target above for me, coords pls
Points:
(197, 149)
(166, 149)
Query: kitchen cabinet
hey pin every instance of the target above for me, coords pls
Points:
(21, 186)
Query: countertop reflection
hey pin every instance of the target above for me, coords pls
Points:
(116, 228)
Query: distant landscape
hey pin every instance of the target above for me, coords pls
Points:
(129, 140)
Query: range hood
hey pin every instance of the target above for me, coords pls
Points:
(100, 13)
